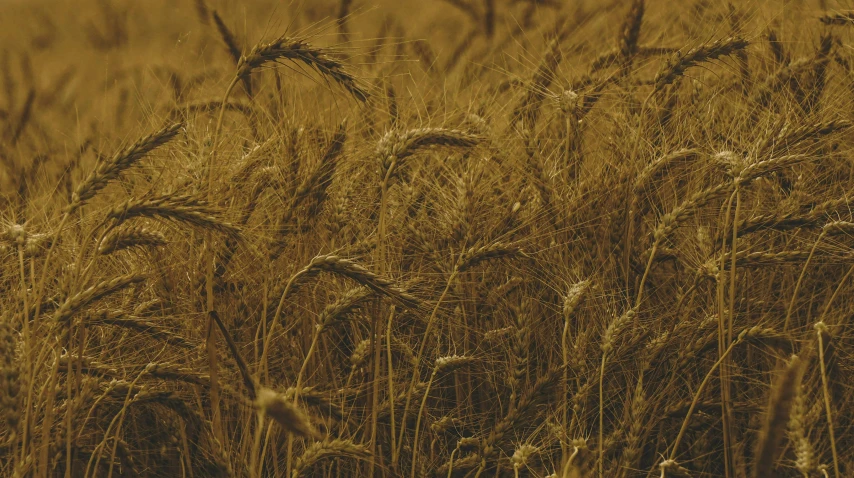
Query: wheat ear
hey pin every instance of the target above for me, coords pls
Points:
(74, 303)
(300, 50)
(776, 418)
(110, 169)
(328, 448)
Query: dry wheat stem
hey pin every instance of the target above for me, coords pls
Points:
(117, 420)
(800, 279)
(442, 364)
(675, 447)
(419, 356)
(390, 365)
(821, 330)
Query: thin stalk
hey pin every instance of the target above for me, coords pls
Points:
(836, 293)
(68, 392)
(629, 212)
(646, 271)
(119, 417)
(376, 348)
(565, 402)
(254, 466)
(27, 350)
(269, 333)
(376, 343)
(46, 266)
(821, 328)
(600, 446)
(724, 333)
(418, 356)
(210, 340)
(601, 458)
(451, 462)
(267, 437)
(566, 468)
(732, 281)
(47, 424)
(418, 422)
(314, 340)
(696, 399)
(210, 346)
(391, 384)
(800, 280)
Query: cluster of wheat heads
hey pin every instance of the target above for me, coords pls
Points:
(580, 239)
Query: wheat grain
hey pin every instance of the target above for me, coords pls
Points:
(329, 448)
(175, 207)
(284, 412)
(676, 66)
(131, 237)
(73, 304)
(110, 169)
(299, 49)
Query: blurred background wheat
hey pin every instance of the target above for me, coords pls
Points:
(445, 238)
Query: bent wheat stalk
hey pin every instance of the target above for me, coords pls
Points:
(821, 331)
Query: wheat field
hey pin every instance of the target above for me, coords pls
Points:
(480, 238)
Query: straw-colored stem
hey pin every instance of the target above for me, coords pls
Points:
(800, 280)
(724, 335)
(264, 447)
(731, 317)
(376, 344)
(391, 383)
(314, 340)
(835, 293)
(270, 330)
(646, 271)
(564, 401)
(254, 465)
(566, 468)
(601, 459)
(696, 399)
(27, 349)
(451, 461)
(46, 266)
(627, 246)
(210, 340)
(117, 420)
(68, 393)
(50, 390)
(820, 328)
(419, 355)
(415, 444)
